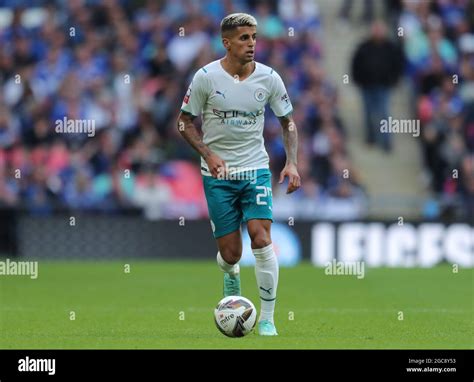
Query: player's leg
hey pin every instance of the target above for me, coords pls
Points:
(226, 217)
(230, 252)
(370, 122)
(230, 247)
(257, 210)
(266, 272)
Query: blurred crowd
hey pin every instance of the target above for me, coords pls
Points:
(125, 66)
(439, 50)
(432, 44)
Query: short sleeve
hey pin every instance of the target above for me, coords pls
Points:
(279, 100)
(196, 95)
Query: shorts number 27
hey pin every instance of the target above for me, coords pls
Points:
(266, 191)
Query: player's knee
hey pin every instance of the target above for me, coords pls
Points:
(231, 255)
(261, 239)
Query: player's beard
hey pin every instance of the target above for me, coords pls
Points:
(247, 58)
(250, 57)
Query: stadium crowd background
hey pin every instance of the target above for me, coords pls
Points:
(126, 66)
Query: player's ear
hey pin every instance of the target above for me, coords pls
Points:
(226, 43)
(226, 37)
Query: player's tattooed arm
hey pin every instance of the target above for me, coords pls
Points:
(189, 132)
(290, 140)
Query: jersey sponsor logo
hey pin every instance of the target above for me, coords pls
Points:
(186, 97)
(285, 98)
(260, 95)
(239, 122)
(224, 114)
(238, 117)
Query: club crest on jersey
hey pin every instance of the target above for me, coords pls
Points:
(260, 95)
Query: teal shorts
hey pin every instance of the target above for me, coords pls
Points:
(233, 201)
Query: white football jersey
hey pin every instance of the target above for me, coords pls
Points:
(232, 112)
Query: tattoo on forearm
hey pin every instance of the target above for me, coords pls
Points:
(290, 139)
(192, 136)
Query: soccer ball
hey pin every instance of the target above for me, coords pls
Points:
(235, 316)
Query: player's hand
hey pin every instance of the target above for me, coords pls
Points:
(291, 172)
(216, 166)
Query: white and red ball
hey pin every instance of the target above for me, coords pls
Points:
(235, 316)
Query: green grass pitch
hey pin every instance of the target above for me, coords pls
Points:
(170, 305)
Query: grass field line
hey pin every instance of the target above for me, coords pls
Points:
(304, 310)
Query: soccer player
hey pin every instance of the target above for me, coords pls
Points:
(231, 94)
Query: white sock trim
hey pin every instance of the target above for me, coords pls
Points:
(226, 267)
(264, 253)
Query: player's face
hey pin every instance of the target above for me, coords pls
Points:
(241, 43)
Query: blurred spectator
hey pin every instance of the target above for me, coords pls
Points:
(376, 67)
(346, 6)
(301, 15)
(152, 195)
(9, 128)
